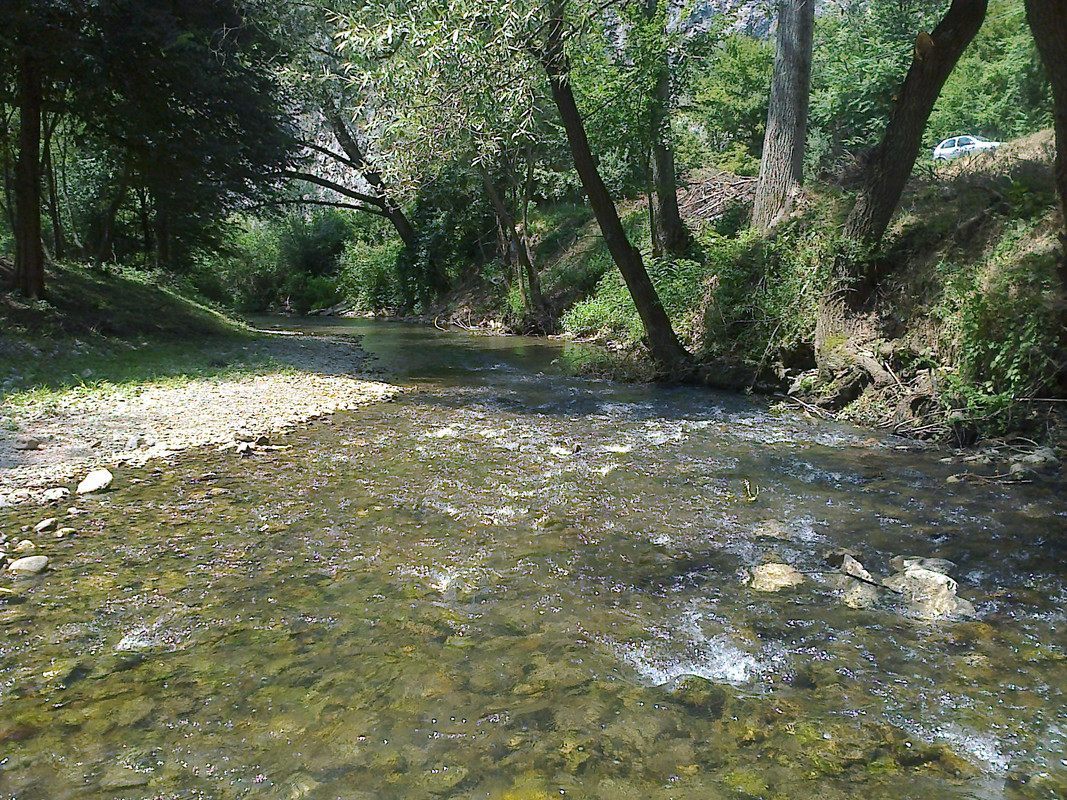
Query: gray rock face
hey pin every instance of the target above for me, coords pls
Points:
(30, 565)
(96, 481)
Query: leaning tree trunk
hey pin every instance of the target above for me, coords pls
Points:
(782, 164)
(935, 57)
(1048, 21)
(29, 250)
(669, 236)
(666, 350)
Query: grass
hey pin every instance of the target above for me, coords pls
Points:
(98, 330)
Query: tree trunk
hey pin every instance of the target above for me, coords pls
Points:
(890, 167)
(1048, 21)
(59, 246)
(110, 213)
(392, 212)
(669, 236)
(29, 251)
(666, 350)
(519, 248)
(782, 163)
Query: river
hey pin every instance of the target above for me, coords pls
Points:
(516, 584)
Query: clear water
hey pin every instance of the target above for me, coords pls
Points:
(516, 584)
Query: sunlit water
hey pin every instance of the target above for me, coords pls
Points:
(514, 584)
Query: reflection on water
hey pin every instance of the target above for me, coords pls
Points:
(514, 584)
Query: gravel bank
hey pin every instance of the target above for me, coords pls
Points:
(130, 425)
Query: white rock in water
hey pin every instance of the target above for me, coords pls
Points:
(56, 494)
(45, 525)
(30, 565)
(96, 481)
(772, 577)
(930, 595)
(855, 583)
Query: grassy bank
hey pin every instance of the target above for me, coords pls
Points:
(106, 326)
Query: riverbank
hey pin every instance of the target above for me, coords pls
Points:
(165, 376)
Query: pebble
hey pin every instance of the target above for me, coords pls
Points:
(63, 533)
(96, 481)
(24, 442)
(56, 494)
(45, 525)
(25, 546)
(30, 565)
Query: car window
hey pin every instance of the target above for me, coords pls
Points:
(965, 140)
(949, 143)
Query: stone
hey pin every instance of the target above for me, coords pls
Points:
(25, 546)
(245, 448)
(263, 441)
(1044, 458)
(96, 481)
(903, 563)
(1020, 470)
(63, 533)
(30, 565)
(930, 595)
(45, 525)
(774, 577)
(23, 442)
(856, 584)
(700, 695)
(56, 494)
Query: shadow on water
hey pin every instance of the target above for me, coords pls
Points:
(518, 584)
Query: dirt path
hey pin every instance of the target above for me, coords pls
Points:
(54, 443)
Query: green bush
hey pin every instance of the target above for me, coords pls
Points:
(368, 275)
(1002, 328)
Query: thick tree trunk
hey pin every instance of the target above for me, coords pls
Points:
(669, 236)
(1048, 21)
(782, 164)
(518, 246)
(663, 343)
(29, 250)
(934, 59)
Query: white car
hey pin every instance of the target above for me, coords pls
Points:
(959, 145)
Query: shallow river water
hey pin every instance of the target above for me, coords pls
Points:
(515, 584)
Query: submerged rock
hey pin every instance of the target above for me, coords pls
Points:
(772, 529)
(96, 481)
(930, 595)
(23, 442)
(30, 565)
(700, 695)
(774, 577)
